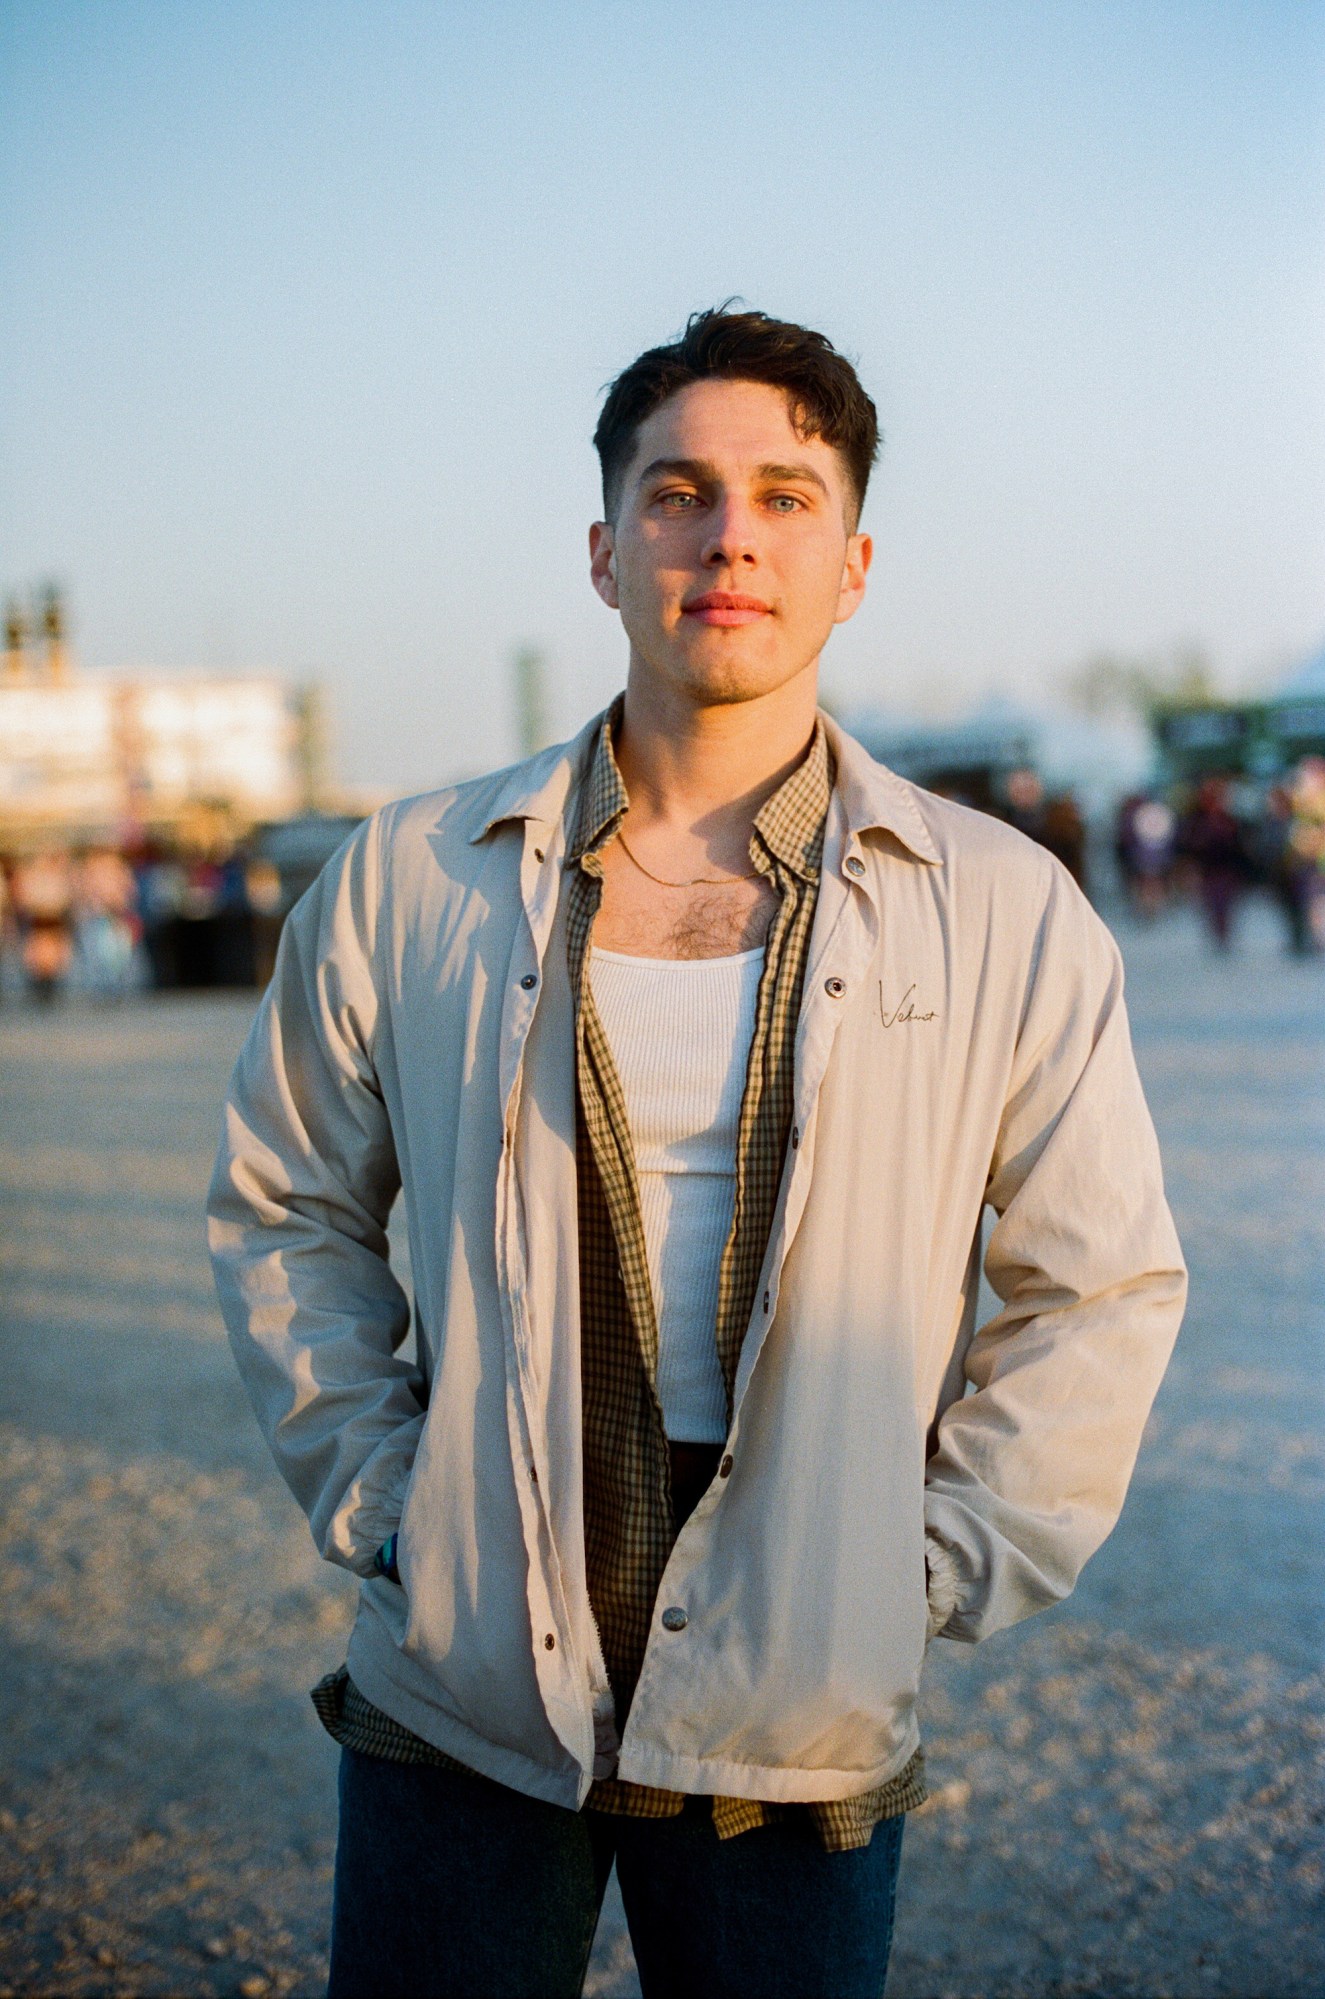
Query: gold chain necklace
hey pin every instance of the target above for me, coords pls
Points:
(699, 881)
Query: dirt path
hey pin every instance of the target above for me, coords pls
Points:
(1129, 1795)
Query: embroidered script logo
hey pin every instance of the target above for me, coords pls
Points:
(904, 1010)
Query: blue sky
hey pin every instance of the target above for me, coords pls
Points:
(308, 309)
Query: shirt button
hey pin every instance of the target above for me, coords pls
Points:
(529, 981)
(768, 1296)
(835, 988)
(854, 865)
(674, 1618)
(725, 1468)
(795, 1136)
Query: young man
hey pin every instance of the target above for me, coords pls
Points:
(700, 1045)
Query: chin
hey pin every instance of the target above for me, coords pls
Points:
(725, 677)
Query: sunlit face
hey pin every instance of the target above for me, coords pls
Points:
(733, 552)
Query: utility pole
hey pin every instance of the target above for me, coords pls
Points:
(530, 704)
(313, 747)
(52, 625)
(16, 640)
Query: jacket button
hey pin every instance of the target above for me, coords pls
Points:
(854, 865)
(674, 1618)
(529, 981)
(725, 1468)
(768, 1299)
(538, 853)
(549, 1642)
(835, 988)
(795, 1136)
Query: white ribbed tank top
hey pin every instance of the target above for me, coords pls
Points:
(680, 1030)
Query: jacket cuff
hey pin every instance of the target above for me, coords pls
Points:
(370, 1512)
(941, 1585)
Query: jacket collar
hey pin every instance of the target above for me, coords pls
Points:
(537, 789)
(873, 797)
(603, 797)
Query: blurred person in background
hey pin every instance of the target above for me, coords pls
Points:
(1295, 817)
(1063, 832)
(702, 1446)
(262, 886)
(1052, 822)
(43, 891)
(1145, 843)
(161, 883)
(1214, 841)
(234, 957)
(107, 922)
(1023, 801)
(213, 927)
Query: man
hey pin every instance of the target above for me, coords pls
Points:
(700, 1046)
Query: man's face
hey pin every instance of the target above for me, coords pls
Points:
(732, 555)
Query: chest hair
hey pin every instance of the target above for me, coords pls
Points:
(646, 920)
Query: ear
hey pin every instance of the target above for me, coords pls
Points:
(860, 553)
(602, 563)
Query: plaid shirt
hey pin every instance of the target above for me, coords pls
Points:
(629, 1525)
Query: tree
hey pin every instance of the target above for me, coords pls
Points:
(1112, 684)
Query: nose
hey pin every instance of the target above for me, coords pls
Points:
(730, 537)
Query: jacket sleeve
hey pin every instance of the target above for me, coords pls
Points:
(1032, 1464)
(304, 1183)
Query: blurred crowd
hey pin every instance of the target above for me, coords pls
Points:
(1054, 819)
(1018, 795)
(1219, 838)
(111, 923)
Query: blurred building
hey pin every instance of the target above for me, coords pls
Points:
(968, 759)
(972, 756)
(1256, 740)
(88, 759)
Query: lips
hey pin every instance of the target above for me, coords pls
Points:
(726, 607)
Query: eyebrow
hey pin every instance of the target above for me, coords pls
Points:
(702, 470)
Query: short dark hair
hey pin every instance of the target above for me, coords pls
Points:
(827, 400)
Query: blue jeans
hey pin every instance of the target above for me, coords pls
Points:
(453, 1887)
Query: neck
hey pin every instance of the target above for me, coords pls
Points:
(710, 768)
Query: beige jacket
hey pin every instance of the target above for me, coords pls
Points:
(962, 1042)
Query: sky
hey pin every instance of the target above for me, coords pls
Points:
(309, 309)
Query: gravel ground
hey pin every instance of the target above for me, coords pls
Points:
(1128, 1793)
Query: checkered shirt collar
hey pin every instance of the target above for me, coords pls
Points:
(790, 824)
(603, 795)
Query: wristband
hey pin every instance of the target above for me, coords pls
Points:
(384, 1561)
